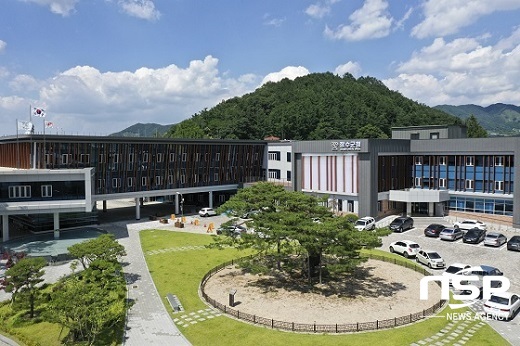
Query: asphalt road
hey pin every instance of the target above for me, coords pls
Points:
(507, 261)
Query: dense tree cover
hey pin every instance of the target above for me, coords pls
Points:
(316, 106)
(104, 247)
(475, 130)
(22, 281)
(295, 231)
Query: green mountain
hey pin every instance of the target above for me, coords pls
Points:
(498, 119)
(316, 106)
(143, 130)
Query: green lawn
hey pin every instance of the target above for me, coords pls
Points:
(179, 272)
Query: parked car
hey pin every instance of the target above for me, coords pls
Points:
(485, 270)
(503, 305)
(455, 269)
(430, 258)
(232, 230)
(495, 239)
(366, 223)
(474, 236)
(469, 224)
(401, 224)
(451, 234)
(407, 248)
(514, 243)
(207, 212)
(433, 230)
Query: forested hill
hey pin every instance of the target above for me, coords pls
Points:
(316, 106)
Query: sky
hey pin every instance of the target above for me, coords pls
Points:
(99, 66)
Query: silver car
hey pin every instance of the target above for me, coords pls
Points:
(430, 258)
(495, 239)
(451, 234)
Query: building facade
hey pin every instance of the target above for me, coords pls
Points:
(441, 172)
(201, 172)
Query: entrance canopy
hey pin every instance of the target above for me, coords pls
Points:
(419, 195)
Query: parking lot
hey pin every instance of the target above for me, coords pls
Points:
(472, 254)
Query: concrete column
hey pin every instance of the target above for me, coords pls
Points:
(104, 206)
(408, 208)
(137, 208)
(177, 199)
(5, 228)
(431, 209)
(211, 199)
(56, 221)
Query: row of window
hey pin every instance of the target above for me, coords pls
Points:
(24, 191)
(469, 183)
(276, 156)
(469, 161)
(145, 157)
(157, 181)
(481, 205)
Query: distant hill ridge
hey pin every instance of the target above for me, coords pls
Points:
(143, 130)
(498, 119)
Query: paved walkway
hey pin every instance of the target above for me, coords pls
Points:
(148, 321)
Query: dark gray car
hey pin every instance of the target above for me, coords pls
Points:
(401, 224)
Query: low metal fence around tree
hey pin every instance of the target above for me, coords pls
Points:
(323, 328)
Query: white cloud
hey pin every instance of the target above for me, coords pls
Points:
(268, 20)
(369, 22)
(61, 7)
(462, 71)
(25, 83)
(320, 9)
(290, 72)
(144, 9)
(2, 46)
(88, 101)
(350, 67)
(445, 17)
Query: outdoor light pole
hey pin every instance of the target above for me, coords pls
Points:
(182, 203)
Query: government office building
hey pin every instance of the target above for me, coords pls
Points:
(422, 170)
(48, 182)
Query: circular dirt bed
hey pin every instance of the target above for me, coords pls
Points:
(377, 291)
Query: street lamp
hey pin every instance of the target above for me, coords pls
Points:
(182, 203)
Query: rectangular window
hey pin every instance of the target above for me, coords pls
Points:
(85, 158)
(65, 159)
(130, 181)
(102, 158)
(116, 182)
(417, 181)
(442, 160)
(115, 158)
(499, 160)
(130, 158)
(434, 135)
(418, 160)
(145, 157)
(470, 160)
(144, 181)
(183, 179)
(499, 185)
(197, 157)
(217, 157)
(184, 157)
(215, 177)
(288, 157)
(172, 157)
(274, 155)
(274, 174)
(442, 182)
(170, 179)
(289, 176)
(20, 191)
(159, 157)
(46, 190)
(158, 180)
(470, 184)
(195, 178)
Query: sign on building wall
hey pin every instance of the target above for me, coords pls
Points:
(346, 146)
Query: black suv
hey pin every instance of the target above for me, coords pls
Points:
(474, 236)
(401, 224)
